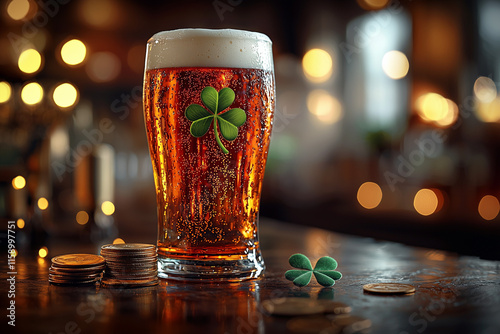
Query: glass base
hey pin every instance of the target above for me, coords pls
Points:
(211, 270)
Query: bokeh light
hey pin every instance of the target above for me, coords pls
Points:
(369, 195)
(373, 4)
(43, 252)
(73, 52)
(434, 108)
(451, 114)
(43, 203)
(13, 252)
(118, 241)
(489, 112)
(20, 223)
(485, 89)
(108, 208)
(324, 106)
(18, 182)
(32, 93)
(100, 13)
(395, 64)
(18, 9)
(65, 95)
(82, 217)
(103, 66)
(5, 91)
(30, 61)
(488, 207)
(317, 65)
(425, 202)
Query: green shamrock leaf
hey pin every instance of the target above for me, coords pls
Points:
(216, 102)
(324, 271)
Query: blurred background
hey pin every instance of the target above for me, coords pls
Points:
(387, 122)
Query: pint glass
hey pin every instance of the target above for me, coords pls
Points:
(209, 99)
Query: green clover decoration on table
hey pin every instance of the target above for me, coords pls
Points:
(324, 271)
(216, 102)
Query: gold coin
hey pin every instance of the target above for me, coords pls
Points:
(77, 270)
(292, 306)
(311, 324)
(129, 247)
(389, 288)
(77, 260)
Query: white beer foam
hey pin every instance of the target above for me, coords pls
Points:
(209, 48)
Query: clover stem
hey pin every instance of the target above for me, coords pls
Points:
(224, 150)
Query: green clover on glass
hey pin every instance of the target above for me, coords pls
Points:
(324, 271)
(228, 122)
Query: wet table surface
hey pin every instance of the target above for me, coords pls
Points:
(454, 294)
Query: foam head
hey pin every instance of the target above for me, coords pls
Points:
(209, 48)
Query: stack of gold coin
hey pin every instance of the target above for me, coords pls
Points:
(75, 269)
(130, 265)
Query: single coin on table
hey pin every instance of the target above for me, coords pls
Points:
(292, 306)
(77, 260)
(389, 288)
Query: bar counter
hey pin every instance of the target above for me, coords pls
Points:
(454, 294)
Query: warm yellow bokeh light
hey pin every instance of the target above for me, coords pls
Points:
(43, 252)
(103, 66)
(18, 9)
(395, 64)
(425, 202)
(43, 203)
(18, 182)
(485, 89)
(432, 106)
(317, 65)
(369, 195)
(20, 223)
(489, 207)
(65, 95)
(5, 91)
(118, 241)
(373, 4)
(324, 106)
(29, 61)
(73, 52)
(451, 114)
(32, 93)
(82, 217)
(489, 112)
(13, 252)
(108, 208)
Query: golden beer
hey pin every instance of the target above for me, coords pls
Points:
(208, 111)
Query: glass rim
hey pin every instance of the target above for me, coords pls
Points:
(186, 33)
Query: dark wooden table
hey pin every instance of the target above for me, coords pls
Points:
(454, 294)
